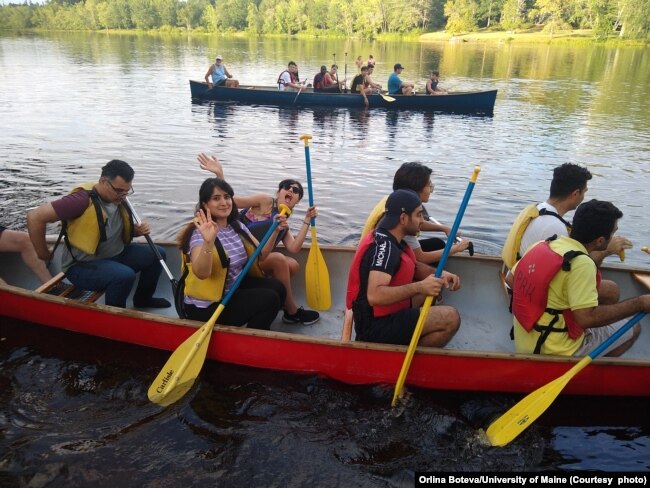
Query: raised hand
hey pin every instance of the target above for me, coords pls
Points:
(206, 226)
(211, 163)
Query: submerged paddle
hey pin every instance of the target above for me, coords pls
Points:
(427, 303)
(172, 280)
(518, 418)
(317, 278)
(183, 366)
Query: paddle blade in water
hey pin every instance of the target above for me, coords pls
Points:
(512, 423)
(182, 368)
(317, 278)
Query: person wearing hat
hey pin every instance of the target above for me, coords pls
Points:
(396, 86)
(386, 281)
(220, 75)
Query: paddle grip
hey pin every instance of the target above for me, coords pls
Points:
(284, 210)
(305, 138)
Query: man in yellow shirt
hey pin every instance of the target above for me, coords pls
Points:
(555, 295)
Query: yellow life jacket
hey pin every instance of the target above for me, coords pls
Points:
(212, 287)
(510, 253)
(88, 230)
(374, 217)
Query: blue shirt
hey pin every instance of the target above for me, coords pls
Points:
(394, 84)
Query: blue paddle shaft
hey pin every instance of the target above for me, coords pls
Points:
(309, 189)
(249, 263)
(454, 229)
(614, 337)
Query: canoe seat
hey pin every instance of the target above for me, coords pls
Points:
(57, 287)
(643, 278)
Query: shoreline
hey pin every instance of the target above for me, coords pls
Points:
(531, 36)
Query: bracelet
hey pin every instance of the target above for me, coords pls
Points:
(306, 223)
(206, 252)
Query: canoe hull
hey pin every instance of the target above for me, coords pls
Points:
(479, 102)
(347, 361)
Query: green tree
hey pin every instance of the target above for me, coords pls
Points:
(143, 14)
(166, 11)
(512, 14)
(634, 18)
(461, 15)
(191, 12)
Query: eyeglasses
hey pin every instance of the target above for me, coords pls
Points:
(294, 189)
(430, 185)
(120, 191)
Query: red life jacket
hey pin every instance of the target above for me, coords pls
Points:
(404, 276)
(318, 81)
(530, 292)
(292, 76)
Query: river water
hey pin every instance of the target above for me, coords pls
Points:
(74, 410)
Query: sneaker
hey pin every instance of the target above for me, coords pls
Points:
(302, 316)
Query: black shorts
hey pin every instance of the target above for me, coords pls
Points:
(221, 83)
(398, 92)
(397, 328)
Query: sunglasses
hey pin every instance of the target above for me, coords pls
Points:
(294, 189)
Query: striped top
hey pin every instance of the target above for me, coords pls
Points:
(235, 250)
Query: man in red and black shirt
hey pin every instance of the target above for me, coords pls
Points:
(386, 284)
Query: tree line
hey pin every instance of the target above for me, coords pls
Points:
(628, 19)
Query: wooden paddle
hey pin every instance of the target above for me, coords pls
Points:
(518, 418)
(172, 280)
(317, 278)
(388, 98)
(645, 249)
(183, 366)
(427, 303)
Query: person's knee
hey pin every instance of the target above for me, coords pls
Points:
(608, 293)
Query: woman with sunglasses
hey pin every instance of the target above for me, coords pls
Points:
(257, 212)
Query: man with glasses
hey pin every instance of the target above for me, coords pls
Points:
(417, 177)
(98, 228)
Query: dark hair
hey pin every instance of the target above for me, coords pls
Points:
(285, 184)
(568, 178)
(292, 63)
(433, 72)
(412, 176)
(115, 168)
(364, 68)
(205, 194)
(594, 219)
(323, 69)
(335, 66)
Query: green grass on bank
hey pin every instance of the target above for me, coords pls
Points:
(530, 36)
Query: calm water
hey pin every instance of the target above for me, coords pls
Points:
(74, 410)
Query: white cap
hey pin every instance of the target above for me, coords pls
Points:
(219, 56)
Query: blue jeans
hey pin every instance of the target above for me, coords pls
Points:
(116, 275)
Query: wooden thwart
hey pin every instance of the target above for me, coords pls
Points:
(643, 278)
(57, 287)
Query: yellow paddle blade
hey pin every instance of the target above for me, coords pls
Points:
(645, 249)
(388, 98)
(411, 350)
(183, 366)
(512, 423)
(317, 277)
